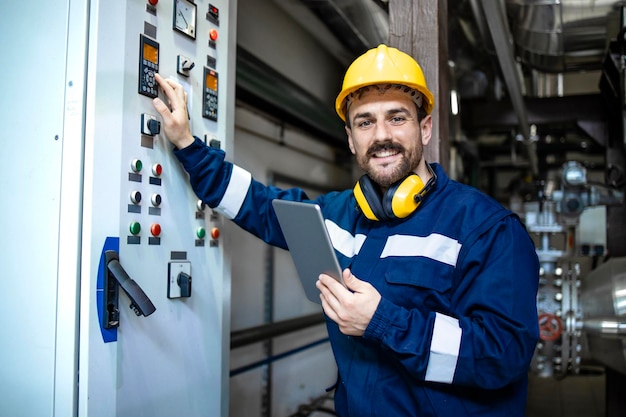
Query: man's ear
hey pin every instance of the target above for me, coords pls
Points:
(350, 142)
(426, 126)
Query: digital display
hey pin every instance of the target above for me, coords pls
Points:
(211, 81)
(150, 53)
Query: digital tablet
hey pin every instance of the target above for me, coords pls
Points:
(308, 242)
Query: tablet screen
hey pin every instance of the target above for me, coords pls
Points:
(310, 247)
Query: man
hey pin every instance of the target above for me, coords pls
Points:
(439, 318)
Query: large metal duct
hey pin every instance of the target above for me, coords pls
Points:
(603, 302)
(561, 35)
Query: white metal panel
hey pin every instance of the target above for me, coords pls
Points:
(40, 238)
(171, 362)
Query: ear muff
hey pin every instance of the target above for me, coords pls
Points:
(400, 199)
(369, 199)
(398, 202)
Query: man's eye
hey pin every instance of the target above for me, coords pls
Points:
(364, 123)
(398, 119)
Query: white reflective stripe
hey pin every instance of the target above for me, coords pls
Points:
(438, 247)
(235, 194)
(444, 349)
(343, 241)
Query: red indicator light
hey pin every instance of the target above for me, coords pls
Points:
(215, 233)
(155, 229)
(157, 169)
(213, 34)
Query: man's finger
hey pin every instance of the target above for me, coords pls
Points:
(167, 89)
(161, 107)
(331, 283)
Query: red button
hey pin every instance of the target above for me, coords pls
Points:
(157, 169)
(215, 233)
(155, 229)
(153, 2)
(213, 34)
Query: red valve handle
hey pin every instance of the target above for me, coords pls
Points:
(550, 327)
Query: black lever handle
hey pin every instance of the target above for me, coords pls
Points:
(139, 301)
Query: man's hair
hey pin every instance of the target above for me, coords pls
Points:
(415, 95)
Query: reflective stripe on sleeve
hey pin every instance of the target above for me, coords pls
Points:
(235, 194)
(444, 349)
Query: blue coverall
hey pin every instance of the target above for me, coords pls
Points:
(457, 325)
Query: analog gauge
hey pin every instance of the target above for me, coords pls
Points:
(185, 17)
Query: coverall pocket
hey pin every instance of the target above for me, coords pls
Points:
(413, 281)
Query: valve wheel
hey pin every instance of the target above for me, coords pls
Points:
(550, 327)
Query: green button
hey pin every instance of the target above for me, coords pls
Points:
(136, 165)
(201, 232)
(135, 228)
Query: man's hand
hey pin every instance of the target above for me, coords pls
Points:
(352, 308)
(176, 120)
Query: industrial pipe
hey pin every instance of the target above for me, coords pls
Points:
(267, 331)
(606, 327)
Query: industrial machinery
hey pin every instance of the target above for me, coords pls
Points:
(570, 304)
(582, 293)
(127, 286)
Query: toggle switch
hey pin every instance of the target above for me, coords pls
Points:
(179, 279)
(184, 65)
(150, 125)
(184, 282)
(154, 126)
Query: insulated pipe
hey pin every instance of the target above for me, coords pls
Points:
(267, 331)
(606, 327)
(496, 21)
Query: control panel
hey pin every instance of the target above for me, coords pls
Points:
(148, 66)
(158, 336)
(209, 99)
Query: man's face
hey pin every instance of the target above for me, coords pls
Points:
(386, 136)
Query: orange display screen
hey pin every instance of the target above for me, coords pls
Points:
(150, 53)
(211, 81)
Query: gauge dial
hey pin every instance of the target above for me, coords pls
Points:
(185, 17)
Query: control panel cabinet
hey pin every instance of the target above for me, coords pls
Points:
(155, 310)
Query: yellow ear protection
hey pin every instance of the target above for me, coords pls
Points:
(398, 202)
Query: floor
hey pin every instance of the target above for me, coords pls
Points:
(573, 396)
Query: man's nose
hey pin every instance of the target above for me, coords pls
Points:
(382, 132)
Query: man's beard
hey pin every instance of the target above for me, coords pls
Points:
(407, 165)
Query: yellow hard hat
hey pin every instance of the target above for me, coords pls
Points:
(384, 65)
